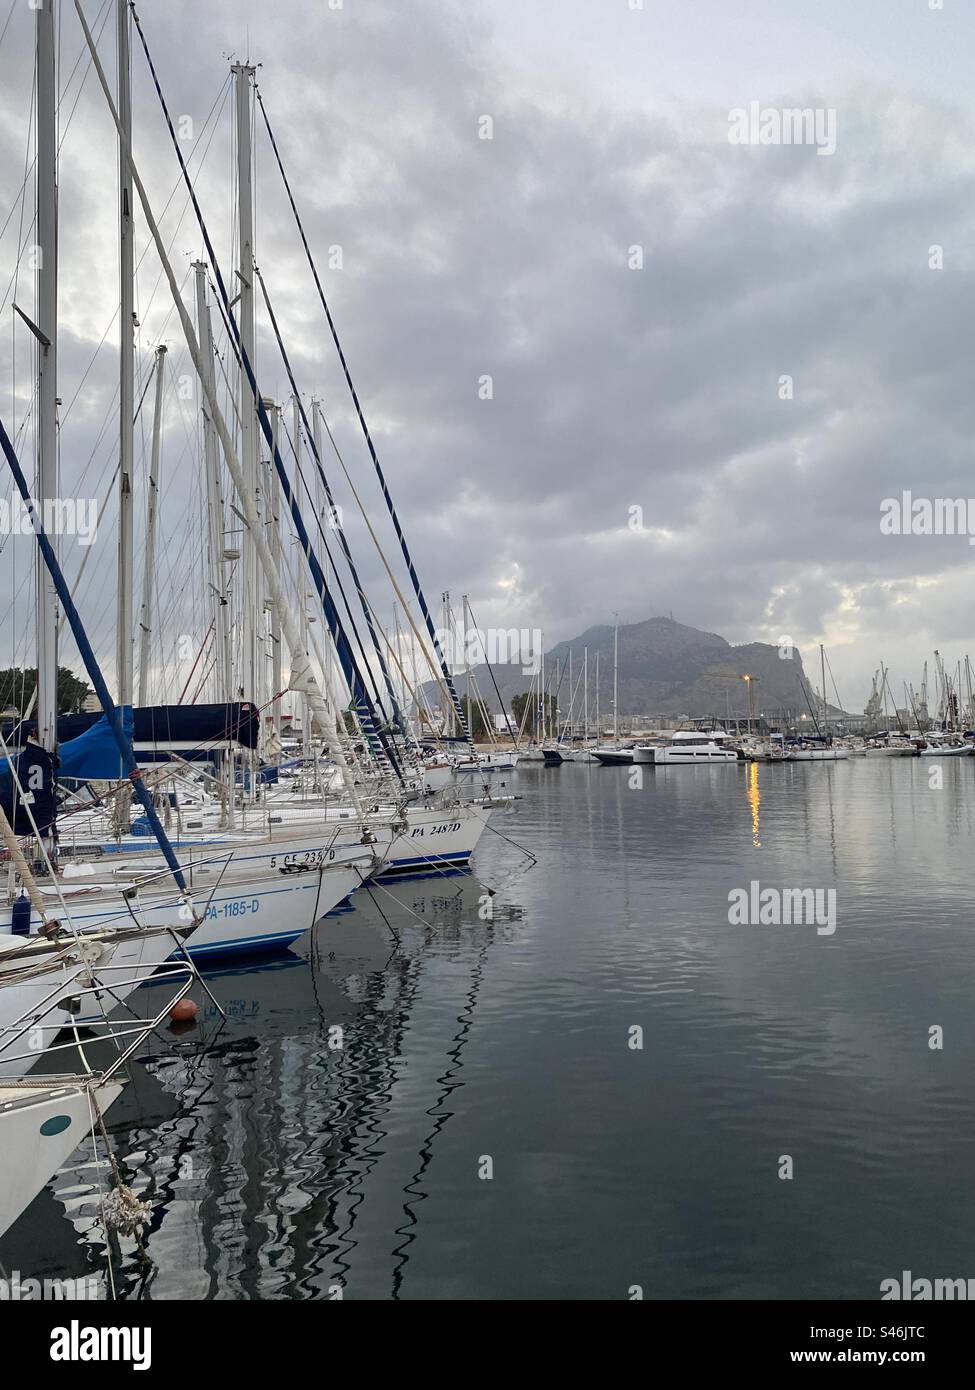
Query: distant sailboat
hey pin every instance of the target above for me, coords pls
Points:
(822, 749)
(614, 754)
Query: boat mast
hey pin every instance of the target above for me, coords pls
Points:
(275, 518)
(46, 308)
(148, 577)
(215, 547)
(449, 649)
(540, 713)
(250, 675)
(302, 594)
(572, 699)
(467, 665)
(404, 696)
(822, 667)
(420, 700)
(251, 519)
(125, 628)
(599, 730)
(585, 696)
(616, 660)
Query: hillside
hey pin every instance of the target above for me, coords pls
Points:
(665, 667)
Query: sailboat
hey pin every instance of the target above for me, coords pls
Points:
(249, 899)
(41, 1124)
(615, 754)
(43, 1117)
(498, 759)
(263, 869)
(820, 749)
(946, 741)
(445, 831)
(886, 744)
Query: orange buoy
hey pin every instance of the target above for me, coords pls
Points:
(185, 1011)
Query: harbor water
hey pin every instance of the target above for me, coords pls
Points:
(590, 1084)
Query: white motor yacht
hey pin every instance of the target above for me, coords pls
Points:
(691, 748)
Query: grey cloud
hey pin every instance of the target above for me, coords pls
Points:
(612, 387)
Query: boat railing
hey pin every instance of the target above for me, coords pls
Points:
(30, 1025)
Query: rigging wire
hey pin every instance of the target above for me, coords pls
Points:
(367, 713)
(408, 559)
(310, 435)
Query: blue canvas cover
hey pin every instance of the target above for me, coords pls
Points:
(94, 755)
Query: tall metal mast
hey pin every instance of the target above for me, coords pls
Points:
(449, 649)
(572, 699)
(585, 697)
(251, 669)
(302, 592)
(599, 730)
(305, 674)
(125, 627)
(540, 709)
(152, 515)
(215, 521)
(616, 663)
(46, 308)
(275, 519)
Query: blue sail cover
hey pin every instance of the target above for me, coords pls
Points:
(34, 768)
(166, 726)
(94, 755)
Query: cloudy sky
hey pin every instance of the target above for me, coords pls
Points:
(516, 258)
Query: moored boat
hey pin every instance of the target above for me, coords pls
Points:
(613, 755)
(694, 748)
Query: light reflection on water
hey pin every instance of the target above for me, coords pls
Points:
(330, 1134)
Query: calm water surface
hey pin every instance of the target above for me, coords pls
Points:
(332, 1131)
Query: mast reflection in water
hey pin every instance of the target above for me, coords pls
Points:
(259, 1142)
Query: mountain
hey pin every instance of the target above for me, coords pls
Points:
(664, 668)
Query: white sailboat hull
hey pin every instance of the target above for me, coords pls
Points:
(435, 841)
(40, 1126)
(435, 835)
(264, 904)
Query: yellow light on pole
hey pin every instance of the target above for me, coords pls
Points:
(748, 683)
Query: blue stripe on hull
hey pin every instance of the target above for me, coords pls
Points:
(426, 866)
(244, 945)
